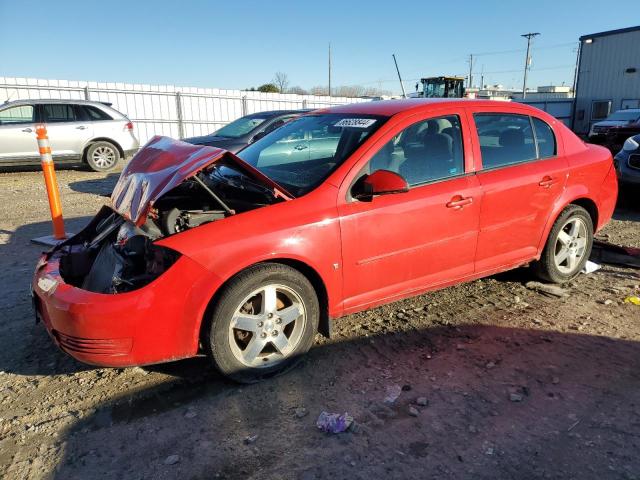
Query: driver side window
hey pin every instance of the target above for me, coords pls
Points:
(426, 151)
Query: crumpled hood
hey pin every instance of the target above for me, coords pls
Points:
(163, 164)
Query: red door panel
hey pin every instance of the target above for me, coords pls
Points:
(404, 242)
(516, 204)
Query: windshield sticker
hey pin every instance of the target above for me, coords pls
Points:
(356, 122)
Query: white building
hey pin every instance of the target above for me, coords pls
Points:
(608, 76)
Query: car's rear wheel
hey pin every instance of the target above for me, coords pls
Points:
(264, 321)
(102, 156)
(568, 246)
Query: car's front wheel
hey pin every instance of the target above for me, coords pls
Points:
(265, 319)
(102, 156)
(568, 246)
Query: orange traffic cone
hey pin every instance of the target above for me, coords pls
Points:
(53, 192)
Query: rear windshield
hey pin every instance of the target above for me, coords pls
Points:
(240, 127)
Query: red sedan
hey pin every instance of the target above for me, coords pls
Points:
(245, 258)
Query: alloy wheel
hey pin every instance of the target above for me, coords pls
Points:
(103, 156)
(571, 244)
(267, 326)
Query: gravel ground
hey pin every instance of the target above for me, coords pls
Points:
(497, 381)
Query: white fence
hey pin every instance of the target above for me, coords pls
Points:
(177, 112)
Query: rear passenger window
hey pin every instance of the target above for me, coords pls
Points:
(545, 138)
(56, 112)
(95, 114)
(505, 139)
(424, 152)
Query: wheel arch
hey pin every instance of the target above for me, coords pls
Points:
(591, 208)
(311, 274)
(582, 199)
(101, 139)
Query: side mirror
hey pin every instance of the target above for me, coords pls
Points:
(380, 182)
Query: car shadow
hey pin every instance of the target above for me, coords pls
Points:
(100, 186)
(627, 206)
(36, 167)
(33, 353)
(502, 403)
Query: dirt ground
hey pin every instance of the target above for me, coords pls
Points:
(517, 384)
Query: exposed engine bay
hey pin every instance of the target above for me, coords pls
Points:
(114, 255)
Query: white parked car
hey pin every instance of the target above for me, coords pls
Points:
(79, 130)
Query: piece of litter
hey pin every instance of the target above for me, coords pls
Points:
(591, 267)
(250, 439)
(393, 392)
(515, 397)
(172, 460)
(632, 299)
(301, 412)
(334, 422)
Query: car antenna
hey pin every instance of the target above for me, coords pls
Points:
(224, 206)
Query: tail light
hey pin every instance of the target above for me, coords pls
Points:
(129, 126)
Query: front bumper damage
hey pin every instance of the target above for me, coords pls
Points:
(156, 323)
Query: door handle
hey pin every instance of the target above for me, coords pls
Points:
(546, 182)
(27, 130)
(459, 201)
(81, 127)
(300, 147)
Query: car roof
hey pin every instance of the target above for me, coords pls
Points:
(51, 100)
(634, 110)
(389, 108)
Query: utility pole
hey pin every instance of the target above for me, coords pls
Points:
(329, 73)
(575, 72)
(470, 84)
(482, 77)
(527, 61)
(404, 95)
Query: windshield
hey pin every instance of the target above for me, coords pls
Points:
(239, 127)
(302, 153)
(625, 116)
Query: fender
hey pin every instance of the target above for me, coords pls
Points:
(202, 293)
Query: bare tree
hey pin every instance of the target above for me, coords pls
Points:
(349, 91)
(319, 90)
(281, 80)
(297, 89)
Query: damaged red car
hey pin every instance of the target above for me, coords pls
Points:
(246, 257)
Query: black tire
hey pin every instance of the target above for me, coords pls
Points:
(219, 334)
(546, 268)
(102, 156)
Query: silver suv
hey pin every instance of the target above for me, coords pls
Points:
(78, 130)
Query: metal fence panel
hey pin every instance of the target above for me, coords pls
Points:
(166, 109)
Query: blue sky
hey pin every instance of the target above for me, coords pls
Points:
(239, 44)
